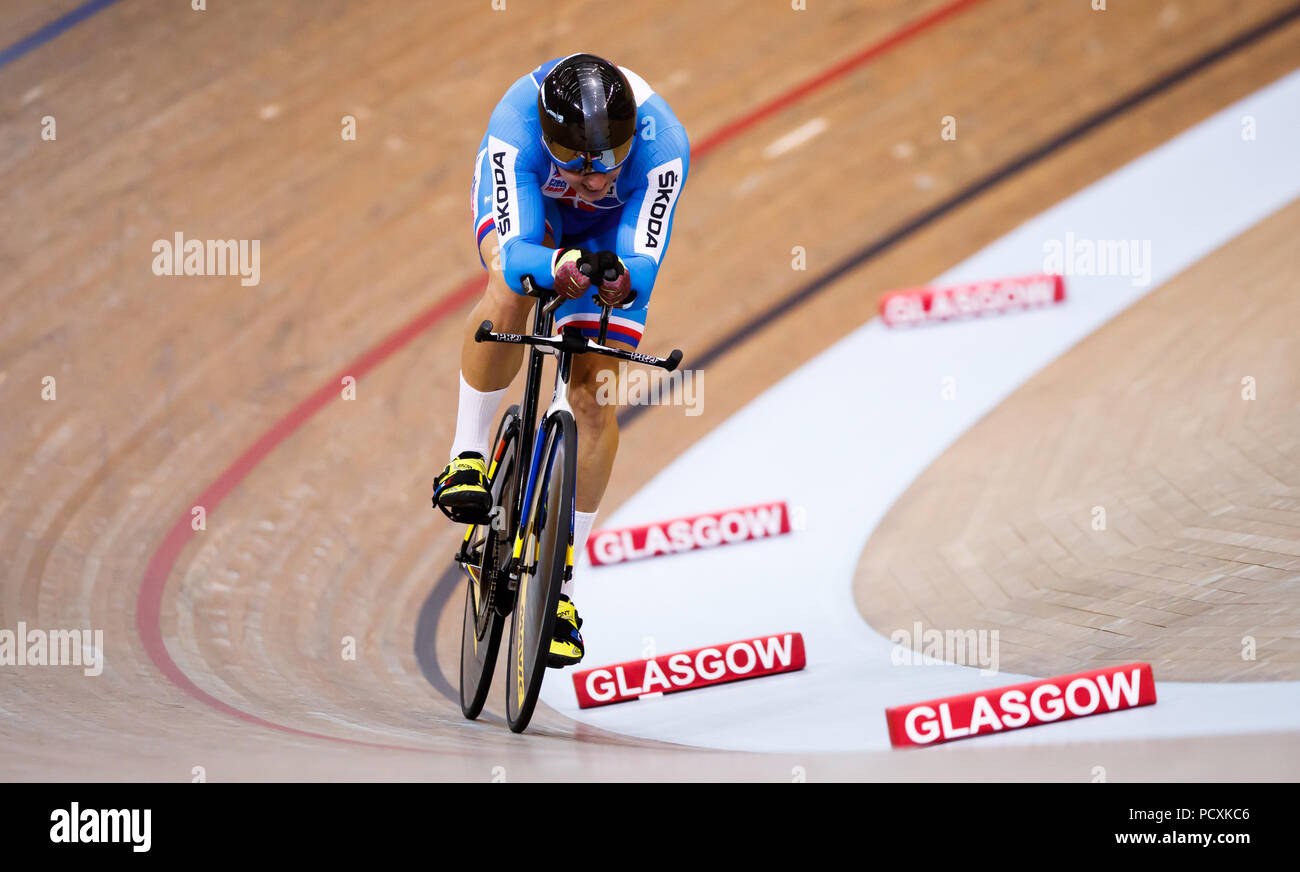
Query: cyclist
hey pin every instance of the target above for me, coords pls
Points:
(575, 184)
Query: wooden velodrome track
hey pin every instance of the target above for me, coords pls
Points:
(223, 645)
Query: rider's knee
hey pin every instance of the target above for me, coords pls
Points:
(506, 305)
(591, 401)
(503, 299)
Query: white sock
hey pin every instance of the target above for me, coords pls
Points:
(474, 419)
(582, 522)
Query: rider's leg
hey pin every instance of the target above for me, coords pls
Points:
(487, 368)
(595, 414)
(597, 434)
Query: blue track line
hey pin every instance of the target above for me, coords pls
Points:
(51, 30)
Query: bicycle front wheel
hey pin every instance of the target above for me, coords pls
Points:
(547, 554)
(483, 617)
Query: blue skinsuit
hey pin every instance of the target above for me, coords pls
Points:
(518, 193)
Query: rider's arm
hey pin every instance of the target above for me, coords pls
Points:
(517, 205)
(646, 225)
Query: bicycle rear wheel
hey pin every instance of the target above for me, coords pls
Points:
(547, 550)
(483, 619)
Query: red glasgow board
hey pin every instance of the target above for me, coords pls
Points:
(686, 534)
(687, 670)
(923, 305)
(1022, 705)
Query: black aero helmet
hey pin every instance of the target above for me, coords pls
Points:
(588, 114)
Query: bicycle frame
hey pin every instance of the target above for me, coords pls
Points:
(530, 436)
(529, 444)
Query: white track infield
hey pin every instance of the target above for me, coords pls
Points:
(870, 436)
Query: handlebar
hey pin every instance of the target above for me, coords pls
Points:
(572, 343)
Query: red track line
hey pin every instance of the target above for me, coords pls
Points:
(798, 92)
(149, 601)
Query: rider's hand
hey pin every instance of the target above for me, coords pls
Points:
(612, 281)
(572, 273)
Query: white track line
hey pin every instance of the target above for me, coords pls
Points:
(879, 415)
(795, 138)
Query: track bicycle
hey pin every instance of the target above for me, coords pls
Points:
(517, 561)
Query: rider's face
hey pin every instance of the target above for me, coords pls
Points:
(592, 186)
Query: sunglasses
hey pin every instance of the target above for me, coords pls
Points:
(587, 162)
